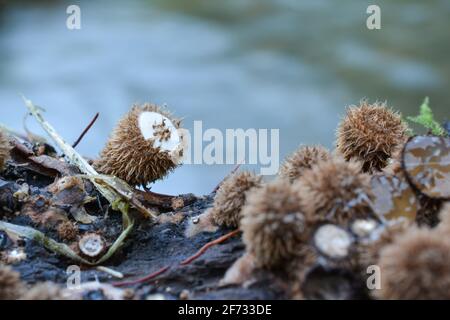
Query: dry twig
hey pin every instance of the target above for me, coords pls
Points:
(85, 130)
(151, 276)
(209, 245)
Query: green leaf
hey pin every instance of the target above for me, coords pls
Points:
(426, 119)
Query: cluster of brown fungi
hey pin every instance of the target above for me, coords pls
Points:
(378, 199)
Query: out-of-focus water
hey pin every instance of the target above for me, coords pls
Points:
(287, 64)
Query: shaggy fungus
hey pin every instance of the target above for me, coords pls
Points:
(44, 291)
(302, 159)
(67, 231)
(273, 225)
(231, 196)
(335, 191)
(416, 266)
(10, 284)
(145, 146)
(370, 133)
(444, 216)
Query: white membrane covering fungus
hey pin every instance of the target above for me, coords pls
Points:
(333, 241)
(151, 122)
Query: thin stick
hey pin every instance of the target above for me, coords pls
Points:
(209, 245)
(85, 131)
(236, 168)
(142, 280)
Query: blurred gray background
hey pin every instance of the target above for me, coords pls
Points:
(287, 64)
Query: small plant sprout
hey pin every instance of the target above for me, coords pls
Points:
(231, 197)
(370, 133)
(426, 119)
(145, 146)
(302, 159)
(273, 225)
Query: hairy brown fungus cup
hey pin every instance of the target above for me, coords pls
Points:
(302, 159)
(231, 196)
(145, 146)
(91, 245)
(273, 224)
(335, 191)
(444, 216)
(370, 133)
(10, 285)
(5, 148)
(44, 291)
(416, 266)
(67, 231)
